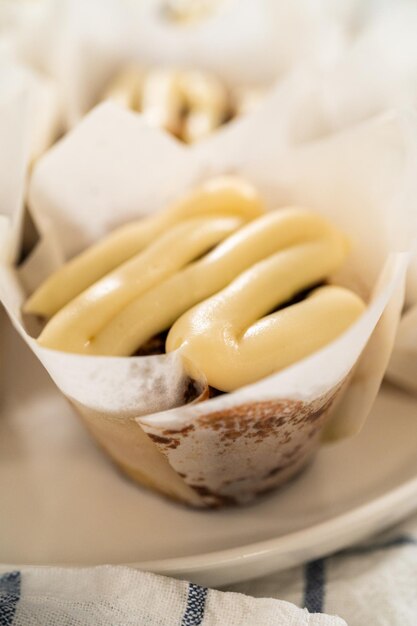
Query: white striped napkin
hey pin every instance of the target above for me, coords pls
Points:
(370, 584)
(373, 583)
(119, 596)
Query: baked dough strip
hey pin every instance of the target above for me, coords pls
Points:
(249, 274)
(223, 196)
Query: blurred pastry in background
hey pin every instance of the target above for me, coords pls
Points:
(186, 12)
(190, 104)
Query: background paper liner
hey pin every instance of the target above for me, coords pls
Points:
(112, 168)
(19, 23)
(274, 36)
(376, 72)
(402, 368)
(83, 44)
(14, 153)
(44, 114)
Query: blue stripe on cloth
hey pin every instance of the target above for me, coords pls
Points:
(314, 584)
(196, 604)
(9, 597)
(314, 575)
(395, 542)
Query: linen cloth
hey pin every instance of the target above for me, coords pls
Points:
(368, 584)
(119, 596)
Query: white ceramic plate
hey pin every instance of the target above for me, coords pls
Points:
(62, 502)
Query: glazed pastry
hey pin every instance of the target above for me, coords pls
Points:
(232, 340)
(126, 88)
(225, 196)
(247, 99)
(206, 103)
(190, 104)
(78, 326)
(189, 11)
(161, 100)
(215, 281)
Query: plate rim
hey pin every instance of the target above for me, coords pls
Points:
(370, 512)
(330, 534)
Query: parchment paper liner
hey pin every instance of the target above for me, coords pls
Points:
(82, 45)
(377, 71)
(236, 445)
(274, 36)
(44, 108)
